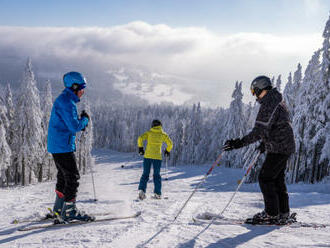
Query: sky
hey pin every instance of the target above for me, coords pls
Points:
(212, 44)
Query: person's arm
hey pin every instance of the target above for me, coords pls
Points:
(256, 134)
(142, 138)
(168, 142)
(70, 117)
(262, 125)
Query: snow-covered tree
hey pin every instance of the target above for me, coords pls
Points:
(279, 83)
(85, 142)
(28, 147)
(49, 167)
(236, 125)
(5, 154)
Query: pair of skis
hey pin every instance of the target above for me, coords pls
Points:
(292, 222)
(40, 223)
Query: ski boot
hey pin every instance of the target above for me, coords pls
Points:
(157, 196)
(58, 205)
(262, 218)
(142, 195)
(287, 218)
(71, 213)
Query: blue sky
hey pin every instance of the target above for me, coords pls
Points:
(270, 16)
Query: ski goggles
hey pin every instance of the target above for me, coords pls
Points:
(253, 91)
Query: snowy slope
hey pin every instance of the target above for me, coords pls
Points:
(116, 190)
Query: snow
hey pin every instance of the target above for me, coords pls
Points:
(116, 190)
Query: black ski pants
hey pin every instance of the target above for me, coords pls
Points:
(272, 184)
(67, 175)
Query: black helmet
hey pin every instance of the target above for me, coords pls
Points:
(259, 84)
(156, 123)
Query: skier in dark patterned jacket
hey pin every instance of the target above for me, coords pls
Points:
(274, 129)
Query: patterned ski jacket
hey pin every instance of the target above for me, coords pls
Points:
(155, 138)
(64, 123)
(273, 125)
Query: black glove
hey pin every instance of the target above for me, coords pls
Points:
(141, 151)
(166, 153)
(261, 147)
(232, 144)
(84, 114)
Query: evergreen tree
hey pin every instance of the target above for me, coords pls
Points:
(5, 154)
(49, 168)
(28, 140)
(236, 126)
(278, 83)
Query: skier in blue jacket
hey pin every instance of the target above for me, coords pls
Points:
(64, 123)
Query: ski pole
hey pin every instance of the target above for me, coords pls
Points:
(166, 168)
(240, 183)
(90, 166)
(200, 183)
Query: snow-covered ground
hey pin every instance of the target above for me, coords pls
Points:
(116, 190)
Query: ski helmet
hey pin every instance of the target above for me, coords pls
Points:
(74, 80)
(156, 123)
(259, 84)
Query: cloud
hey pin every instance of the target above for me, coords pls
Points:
(212, 61)
(314, 7)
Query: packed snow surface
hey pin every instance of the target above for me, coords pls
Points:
(116, 180)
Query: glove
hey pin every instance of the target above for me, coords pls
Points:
(84, 114)
(232, 144)
(261, 147)
(141, 151)
(166, 153)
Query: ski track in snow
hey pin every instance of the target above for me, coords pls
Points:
(116, 191)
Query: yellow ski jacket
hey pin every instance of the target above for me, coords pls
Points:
(155, 138)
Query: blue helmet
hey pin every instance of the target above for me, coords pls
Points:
(74, 80)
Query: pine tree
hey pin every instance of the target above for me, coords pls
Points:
(28, 140)
(47, 101)
(5, 154)
(278, 83)
(236, 125)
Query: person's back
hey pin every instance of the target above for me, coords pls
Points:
(155, 138)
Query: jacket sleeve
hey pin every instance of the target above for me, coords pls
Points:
(142, 138)
(70, 118)
(255, 135)
(264, 121)
(168, 142)
(260, 128)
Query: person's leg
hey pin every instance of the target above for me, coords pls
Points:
(60, 183)
(282, 193)
(59, 188)
(68, 166)
(66, 162)
(270, 171)
(145, 175)
(157, 178)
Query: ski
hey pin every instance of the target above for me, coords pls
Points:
(47, 218)
(52, 225)
(229, 221)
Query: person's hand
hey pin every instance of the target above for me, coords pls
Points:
(232, 144)
(166, 153)
(261, 147)
(141, 151)
(84, 114)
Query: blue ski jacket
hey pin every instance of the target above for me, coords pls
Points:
(64, 123)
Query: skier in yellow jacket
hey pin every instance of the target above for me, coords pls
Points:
(153, 156)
